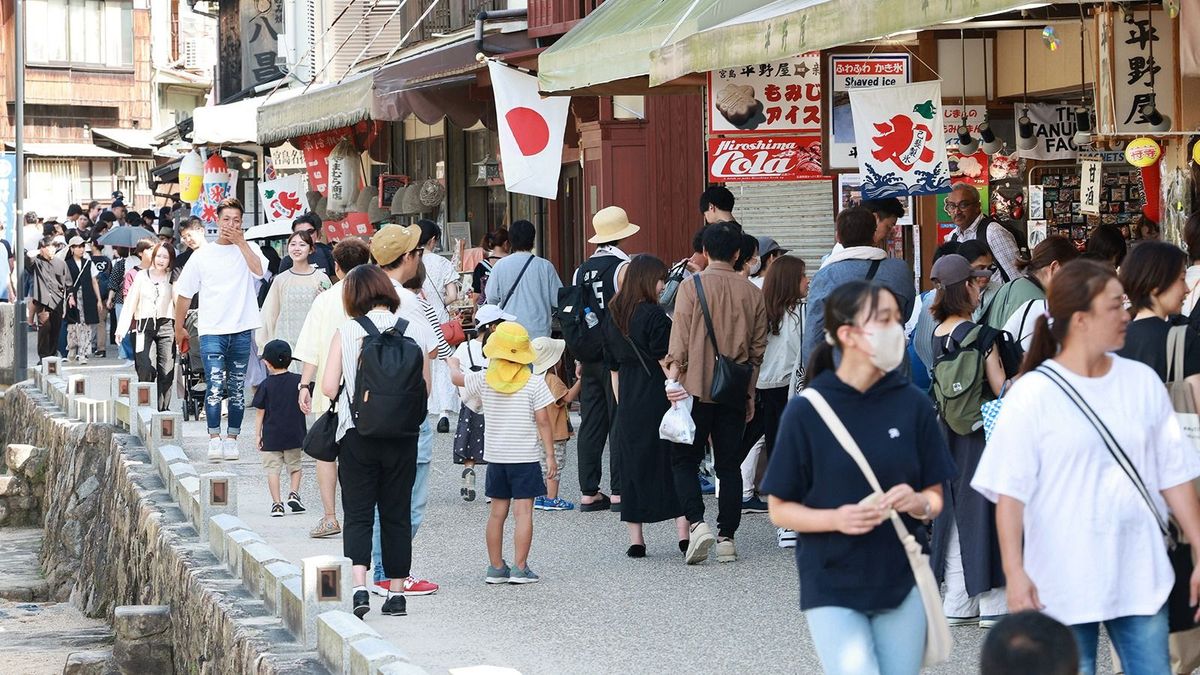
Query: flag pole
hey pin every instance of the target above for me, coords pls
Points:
(20, 332)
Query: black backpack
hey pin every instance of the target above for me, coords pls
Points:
(390, 400)
(583, 340)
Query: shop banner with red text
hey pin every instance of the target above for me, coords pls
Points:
(316, 149)
(764, 158)
(781, 96)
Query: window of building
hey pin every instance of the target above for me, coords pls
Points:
(93, 33)
(95, 180)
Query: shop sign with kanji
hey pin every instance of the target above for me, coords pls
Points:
(1130, 75)
(781, 96)
(1091, 176)
(764, 158)
(854, 71)
(954, 115)
(899, 132)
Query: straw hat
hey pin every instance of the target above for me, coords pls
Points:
(548, 352)
(611, 223)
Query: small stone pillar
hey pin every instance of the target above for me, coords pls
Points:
(326, 584)
(218, 494)
(143, 643)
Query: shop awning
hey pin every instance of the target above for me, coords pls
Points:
(133, 139)
(430, 84)
(68, 150)
(234, 123)
(784, 28)
(612, 45)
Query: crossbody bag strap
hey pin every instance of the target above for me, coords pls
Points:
(1110, 442)
(708, 324)
(851, 447)
(873, 269)
(517, 282)
(636, 352)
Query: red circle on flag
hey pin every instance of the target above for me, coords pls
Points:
(529, 129)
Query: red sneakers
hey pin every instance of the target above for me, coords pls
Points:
(415, 586)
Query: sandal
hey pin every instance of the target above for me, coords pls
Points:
(328, 527)
(602, 503)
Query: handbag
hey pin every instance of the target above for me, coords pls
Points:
(321, 442)
(938, 641)
(1183, 396)
(731, 380)
(1180, 614)
(991, 411)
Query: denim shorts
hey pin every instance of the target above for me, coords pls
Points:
(514, 481)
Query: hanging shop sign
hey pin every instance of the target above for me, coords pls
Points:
(1053, 127)
(1130, 77)
(283, 198)
(764, 158)
(1091, 177)
(531, 132)
(852, 71)
(1142, 152)
(215, 189)
(316, 149)
(955, 115)
(287, 157)
(781, 96)
(8, 194)
(902, 150)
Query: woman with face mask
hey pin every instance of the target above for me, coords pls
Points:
(966, 555)
(856, 585)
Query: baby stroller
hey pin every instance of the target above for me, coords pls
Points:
(194, 389)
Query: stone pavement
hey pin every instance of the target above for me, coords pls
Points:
(595, 610)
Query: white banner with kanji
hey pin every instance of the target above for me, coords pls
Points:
(901, 147)
(283, 198)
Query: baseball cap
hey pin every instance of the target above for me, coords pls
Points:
(952, 269)
(393, 241)
(60, 240)
(767, 245)
(488, 314)
(76, 241)
(277, 353)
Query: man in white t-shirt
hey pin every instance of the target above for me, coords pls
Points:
(396, 250)
(223, 274)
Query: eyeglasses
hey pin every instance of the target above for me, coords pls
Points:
(958, 206)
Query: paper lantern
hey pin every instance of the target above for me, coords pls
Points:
(345, 170)
(191, 177)
(1196, 153)
(1142, 152)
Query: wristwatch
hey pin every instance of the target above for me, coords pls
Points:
(310, 386)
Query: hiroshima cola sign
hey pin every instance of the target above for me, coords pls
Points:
(764, 158)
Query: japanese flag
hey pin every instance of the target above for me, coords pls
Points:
(531, 132)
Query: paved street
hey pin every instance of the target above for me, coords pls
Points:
(595, 609)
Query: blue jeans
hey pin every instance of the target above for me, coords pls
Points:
(225, 358)
(420, 497)
(1140, 641)
(888, 642)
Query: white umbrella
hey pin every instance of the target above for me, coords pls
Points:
(272, 230)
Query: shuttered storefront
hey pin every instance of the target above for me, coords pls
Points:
(797, 214)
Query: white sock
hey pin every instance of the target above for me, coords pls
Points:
(359, 588)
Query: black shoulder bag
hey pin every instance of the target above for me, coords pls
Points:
(320, 442)
(731, 380)
(1180, 613)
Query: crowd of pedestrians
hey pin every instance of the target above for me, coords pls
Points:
(934, 459)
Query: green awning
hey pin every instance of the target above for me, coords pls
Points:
(614, 42)
(785, 28)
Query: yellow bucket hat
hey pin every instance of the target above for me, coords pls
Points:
(509, 354)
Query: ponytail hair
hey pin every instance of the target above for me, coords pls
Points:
(1072, 290)
(842, 308)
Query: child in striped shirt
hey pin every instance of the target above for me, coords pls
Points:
(515, 405)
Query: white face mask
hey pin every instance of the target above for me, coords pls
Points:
(887, 347)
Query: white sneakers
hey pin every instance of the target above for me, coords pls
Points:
(222, 449)
(700, 540)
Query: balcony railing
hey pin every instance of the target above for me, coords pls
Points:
(555, 17)
(453, 15)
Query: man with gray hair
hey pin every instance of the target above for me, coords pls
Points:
(966, 209)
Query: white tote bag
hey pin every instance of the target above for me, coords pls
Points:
(938, 641)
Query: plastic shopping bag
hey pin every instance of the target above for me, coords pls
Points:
(677, 425)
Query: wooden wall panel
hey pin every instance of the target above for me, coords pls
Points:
(675, 142)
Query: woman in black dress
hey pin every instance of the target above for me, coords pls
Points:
(636, 336)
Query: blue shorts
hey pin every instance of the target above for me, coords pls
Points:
(514, 481)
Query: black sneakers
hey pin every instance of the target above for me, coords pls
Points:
(395, 606)
(443, 425)
(362, 603)
(294, 503)
(277, 510)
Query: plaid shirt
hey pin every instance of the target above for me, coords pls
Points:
(1000, 241)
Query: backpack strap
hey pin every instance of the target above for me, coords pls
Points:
(367, 325)
(873, 269)
(401, 326)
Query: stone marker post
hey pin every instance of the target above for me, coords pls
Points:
(326, 584)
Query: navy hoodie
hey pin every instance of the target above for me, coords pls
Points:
(896, 427)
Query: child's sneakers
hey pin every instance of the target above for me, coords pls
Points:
(498, 575)
(523, 576)
(277, 510)
(294, 503)
(467, 492)
(785, 538)
(556, 504)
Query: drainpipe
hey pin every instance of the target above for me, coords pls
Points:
(485, 16)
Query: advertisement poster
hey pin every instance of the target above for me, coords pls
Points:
(764, 158)
(782, 96)
(1053, 127)
(901, 147)
(972, 169)
(316, 149)
(954, 115)
(850, 71)
(849, 195)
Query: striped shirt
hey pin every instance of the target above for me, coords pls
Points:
(510, 435)
(351, 335)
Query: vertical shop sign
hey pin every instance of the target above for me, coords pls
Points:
(781, 96)
(1092, 175)
(851, 71)
(262, 21)
(1130, 77)
(8, 194)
